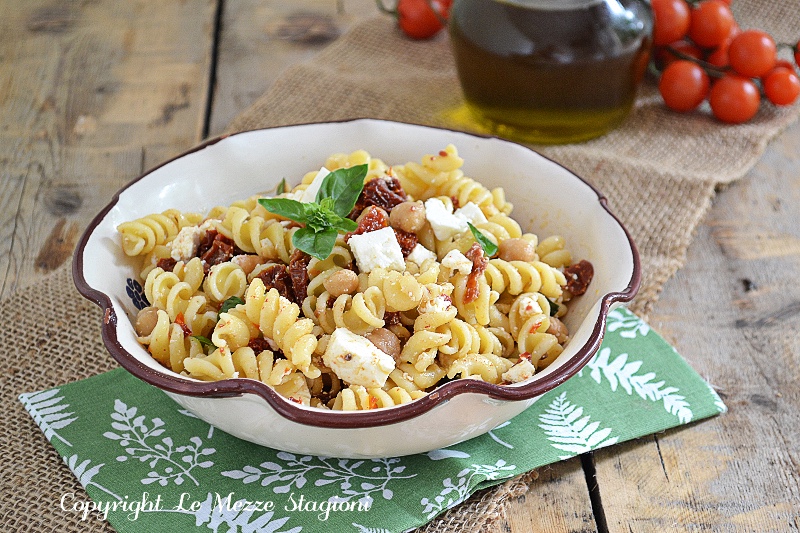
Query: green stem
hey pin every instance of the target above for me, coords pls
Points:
(712, 70)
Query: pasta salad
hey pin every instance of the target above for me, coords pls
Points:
(365, 286)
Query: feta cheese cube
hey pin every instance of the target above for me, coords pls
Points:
(455, 260)
(356, 360)
(471, 213)
(310, 194)
(519, 372)
(438, 304)
(444, 223)
(377, 249)
(184, 245)
(529, 306)
(419, 254)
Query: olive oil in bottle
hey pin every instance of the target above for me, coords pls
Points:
(550, 71)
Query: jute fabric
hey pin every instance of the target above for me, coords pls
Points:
(659, 171)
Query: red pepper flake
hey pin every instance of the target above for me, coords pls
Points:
(373, 402)
(479, 262)
(298, 270)
(456, 203)
(525, 355)
(442, 153)
(374, 218)
(579, 276)
(179, 320)
(296, 400)
(535, 327)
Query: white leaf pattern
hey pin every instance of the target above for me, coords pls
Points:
(569, 430)
(48, 412)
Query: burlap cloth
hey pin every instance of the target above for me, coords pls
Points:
(659, 171)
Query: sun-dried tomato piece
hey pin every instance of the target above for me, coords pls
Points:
(258, 345)
(374, 218)
(407, 241)
(456, 203)
(579, 276)
(167, 264)
(206, 242)
(385, 192)
(179, 320)
(219, 252)
(391, 318)
(277, 277)
(479, 262)
(298, 270)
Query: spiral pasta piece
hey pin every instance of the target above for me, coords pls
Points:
(278, 319)
(359, 398)
(553, 252)
(225, 280)
(140, 236)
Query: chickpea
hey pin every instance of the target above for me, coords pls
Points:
(341, 282)
(248, 262)
(408, 216)
(558, 329)
(146, 321)
(516, 250)
(385, 341)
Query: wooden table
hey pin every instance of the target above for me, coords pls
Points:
(93, 93)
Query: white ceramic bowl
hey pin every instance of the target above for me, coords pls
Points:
(547, 198)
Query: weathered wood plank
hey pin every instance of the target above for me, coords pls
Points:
(261, 39)
(557, 501)
(734, 312)
(87, 91)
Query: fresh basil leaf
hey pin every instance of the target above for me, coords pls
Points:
(203, 340)
(318, 244)
(285, 207)
(345, 224)
(281, 187)
(553, 306)
(489, 248)
(230, 303)
(343, 185)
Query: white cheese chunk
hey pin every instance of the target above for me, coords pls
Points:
(184, 245)
(444, 223)
(519, 372)
(377, 249)
(356, 360)
(471, 213)
(529, 306)
(310, 194)
(419, 254)
(439, 304)
(455, 260)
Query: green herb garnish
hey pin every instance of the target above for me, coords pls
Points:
(203, 340)
(553, 306)
(489, 248)
(230, 303)
(325, 217)
(281, 187)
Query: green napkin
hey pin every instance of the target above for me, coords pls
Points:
(149, 465)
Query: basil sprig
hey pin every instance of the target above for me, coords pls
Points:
(325, 217)
(230, 303)
(489, 248)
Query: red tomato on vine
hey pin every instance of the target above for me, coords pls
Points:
(420, 19)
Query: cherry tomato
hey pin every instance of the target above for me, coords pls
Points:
(784, 63)
(752, 53)
(734, 99)
(683, 85)
(797, 53)
(418, 20)
(665, 56)
(719, 57)
(782, 86)
(671, 21)
(712, 22)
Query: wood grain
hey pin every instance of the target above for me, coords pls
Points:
(734, 312)
(260, 40)
(87, 90)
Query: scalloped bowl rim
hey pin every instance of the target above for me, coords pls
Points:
(360, 419)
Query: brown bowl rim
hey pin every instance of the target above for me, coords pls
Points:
(358, 419)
